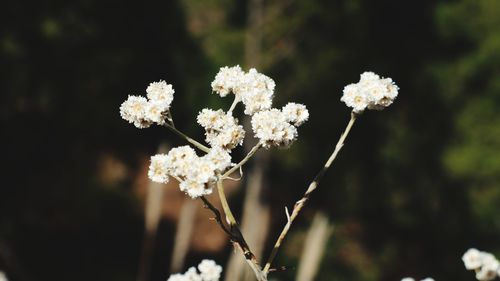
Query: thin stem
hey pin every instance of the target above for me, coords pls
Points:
(190, 140)
(242, 162)
(312, 186)
(233, 105)
(225, 205)
(218, 216)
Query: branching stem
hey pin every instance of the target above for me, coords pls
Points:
(188, 139)
(312, 186)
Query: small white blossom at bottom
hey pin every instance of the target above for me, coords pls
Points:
(407, 279)
(427, 279)
(472, 259)
(209, 271)
(488, 271)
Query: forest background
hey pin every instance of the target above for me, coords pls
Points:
(415, 186)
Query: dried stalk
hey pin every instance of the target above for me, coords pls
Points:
(312, 186)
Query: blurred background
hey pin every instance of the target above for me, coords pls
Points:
(415, 186)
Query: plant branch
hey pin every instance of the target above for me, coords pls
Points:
(312, 186)
(233, 105)
(188, 139)
(242, 162)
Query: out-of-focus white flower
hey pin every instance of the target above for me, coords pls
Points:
(407, 279)
(161, 92)
(370, 92)
(192, 275)
(209, 270)
(295, 113)
(134, 111)
(158, 169)
(3, 277)
(272, 128)
(472, 259)
(227, 79)
(428, 279)
(488, 271)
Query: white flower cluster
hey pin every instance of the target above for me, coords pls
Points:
(253, 89)
(411, 279)
(143, 112)
(196, 174)
(484, 264)
(208, 271)
(221, 129)
(372, 92)
(273, 127)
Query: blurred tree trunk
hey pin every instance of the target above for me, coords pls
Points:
(256, 213)
(183, 235)
(152, 215)
(314, 247)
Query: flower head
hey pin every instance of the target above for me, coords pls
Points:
(159, 169)
(161, 92)
(209, 270)
(134, 111)
(227, 80)
(272, 129)
(295, 113)
(370, 92)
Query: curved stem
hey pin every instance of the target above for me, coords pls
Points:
(233, 105)
(312, 186)
(188, 139)
(225, 205)
(242, 162)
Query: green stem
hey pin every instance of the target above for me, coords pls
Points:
(242, 162)
(188, 139)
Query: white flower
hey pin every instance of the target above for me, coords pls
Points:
(192, 275)
(161, 92)
(158, 169)
(194, 188)
(295, 113)
(370, 92)
(472, 259)
(209, 270)
(407, 279)
(256, 92)
(271, 128)
(428, 279)
(180, 159)
(134, 111)
(227, 79)
(488, 271)
(354, 98)
(219, 157)
(211, 119)
(155, 112)
(221, 129)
